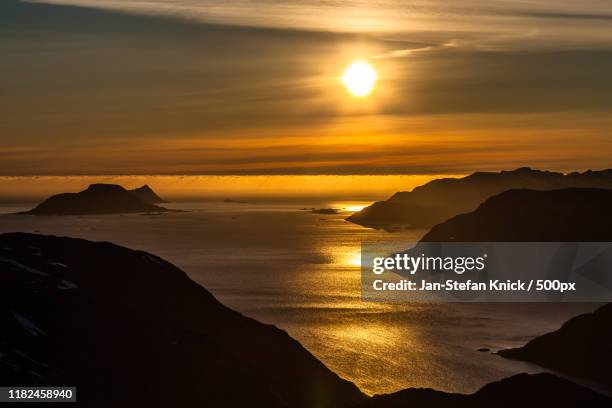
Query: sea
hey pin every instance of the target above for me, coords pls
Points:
(282, 264)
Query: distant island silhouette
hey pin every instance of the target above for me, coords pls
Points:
(441, 199)
(146, 194)
(324, 211)
(581, 347)
(232, 201)
(100, 199)
(114, 322)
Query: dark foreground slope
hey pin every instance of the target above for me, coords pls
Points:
(568, 215)
(581, 347)
(96, 199)
(441, 199)
(522, 390)
(130, 329)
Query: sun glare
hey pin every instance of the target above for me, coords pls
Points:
(353, 259)
(359, 78)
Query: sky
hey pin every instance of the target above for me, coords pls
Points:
(242, 87)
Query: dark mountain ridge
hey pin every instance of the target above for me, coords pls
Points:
(567, 215)
(521, 390)
(581, 347)
(441, 199)
(99, 199)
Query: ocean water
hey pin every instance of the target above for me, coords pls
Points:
(300, 271)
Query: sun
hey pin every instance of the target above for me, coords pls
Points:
(359, 78)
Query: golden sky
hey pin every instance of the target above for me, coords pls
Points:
(350, 189)
(84, 91)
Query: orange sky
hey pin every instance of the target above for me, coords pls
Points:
(106, 93)
(256, 188)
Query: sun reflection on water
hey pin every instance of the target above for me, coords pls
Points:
(353, 259)
(350, 206)
(355, 208)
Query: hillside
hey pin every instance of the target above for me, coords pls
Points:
(568, 215)
(521, 390)
(130, 329)
(581, 347)
(441, 199)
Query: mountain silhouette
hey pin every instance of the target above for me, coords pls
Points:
(581, 347)
(146, 194)
(567, 215)
(130, 329)
(522, 390)
(96, 199)
(441, 199)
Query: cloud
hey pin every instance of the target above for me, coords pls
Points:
(563, 16)
(140, 95)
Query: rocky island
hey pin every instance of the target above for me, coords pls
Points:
(328, 211)
(146, 194)
(100, 199)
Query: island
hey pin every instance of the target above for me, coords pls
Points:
(329, 211)
(146, 194)
(100, 199)
(232, 201)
